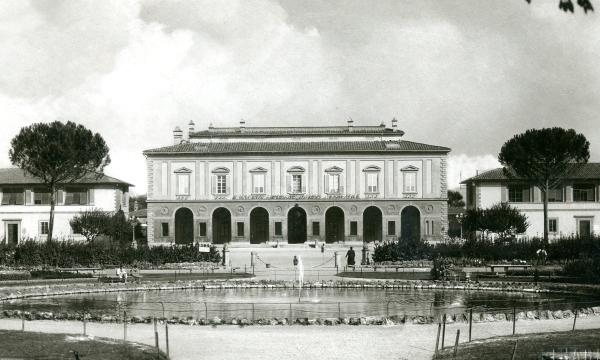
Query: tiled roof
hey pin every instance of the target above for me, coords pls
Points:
(290, 131)
(587, 171)
(297, 147)
(10, 176)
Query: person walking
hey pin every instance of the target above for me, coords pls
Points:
(350, 255)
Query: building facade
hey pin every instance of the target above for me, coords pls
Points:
(25, 204)
(295, 184)
(573, 208)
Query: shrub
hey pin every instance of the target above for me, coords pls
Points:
(91, 223)
(70, 254)
(442, 268)
(588, 270)
(405, 249)
(12, 275)
(501, 219)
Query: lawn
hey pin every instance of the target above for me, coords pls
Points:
(33, 345)
(529, 346)
(387, 275)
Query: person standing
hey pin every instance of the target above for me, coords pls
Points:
(350, 255)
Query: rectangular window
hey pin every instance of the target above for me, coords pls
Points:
(410, 182)
(584, 192)
(297, 183)
(43, 228)
(258, 183)
(164, 229)
(13, 196)
(316, 228)
(240, 229)
(76, 196)
(333, 183)
(372, 180)
(278, 228)
(519, 193)
(183, 184)
(353, 228)
(555, 195)
(391, 228)
(202, 229)
(41, 197)
(221, 184)
(552, 225)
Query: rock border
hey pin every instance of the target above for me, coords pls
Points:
(87, 288)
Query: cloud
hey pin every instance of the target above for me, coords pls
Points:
(467, 75)
(462, 166)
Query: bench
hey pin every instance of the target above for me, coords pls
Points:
(77, 270)
(509, 266)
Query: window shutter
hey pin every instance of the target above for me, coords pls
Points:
(326, 183)
(20, 198)
(60, 197)
(91, 197)
(28, 197)
(504, 194)
(342, 183)
(288, 183)
(83, 198)
(213, 180)
(4, 198)
(227, 181)
(303, 178)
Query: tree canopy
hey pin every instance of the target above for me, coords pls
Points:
(544, 158)
(501, 219)
(58, 153)
(455, 199)
(568, 6)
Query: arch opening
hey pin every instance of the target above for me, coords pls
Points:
(372, 224)
(184, 226)
(296, 221)
(410, 219)
(334, 224)
(259, 225)
(221, 226)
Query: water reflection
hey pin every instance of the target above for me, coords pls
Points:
(328, 302)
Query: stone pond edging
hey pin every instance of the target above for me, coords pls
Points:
(87, 288)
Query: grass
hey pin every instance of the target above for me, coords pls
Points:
(172, 276)
(528, 346)
(33, 345)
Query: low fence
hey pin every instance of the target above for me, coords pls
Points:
(454, 324)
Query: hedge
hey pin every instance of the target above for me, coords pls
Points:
(83, 254)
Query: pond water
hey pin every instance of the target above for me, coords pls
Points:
(277, 303)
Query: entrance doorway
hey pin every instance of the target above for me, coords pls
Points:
(184, 226)
(584, 228)
(259, 225)
(372, 224)
(221, 226)
(410, 218)
(12, 233)
(296, 225)
(334, 224)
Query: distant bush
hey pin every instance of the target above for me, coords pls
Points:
(71, 254)
(405, 249)
(11, 275)
(48, 274)
(587, 270)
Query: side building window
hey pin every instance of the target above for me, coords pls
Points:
(584, 192)
(519, 193)
(41, 196)
(76, 196)
(43, 228)
(15, 196)
(164, 229)
(220, 181)
(553, 225)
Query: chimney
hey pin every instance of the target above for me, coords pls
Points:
(177, 135)
(191, 128)
(394, 124)
(242, 125)
(350, 125)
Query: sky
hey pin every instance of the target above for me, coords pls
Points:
(463, 74)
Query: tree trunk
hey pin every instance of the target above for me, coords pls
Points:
(545, 194)
(52, 203)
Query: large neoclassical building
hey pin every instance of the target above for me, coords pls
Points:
(295, 184)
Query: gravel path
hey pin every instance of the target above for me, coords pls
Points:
(301, 342)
